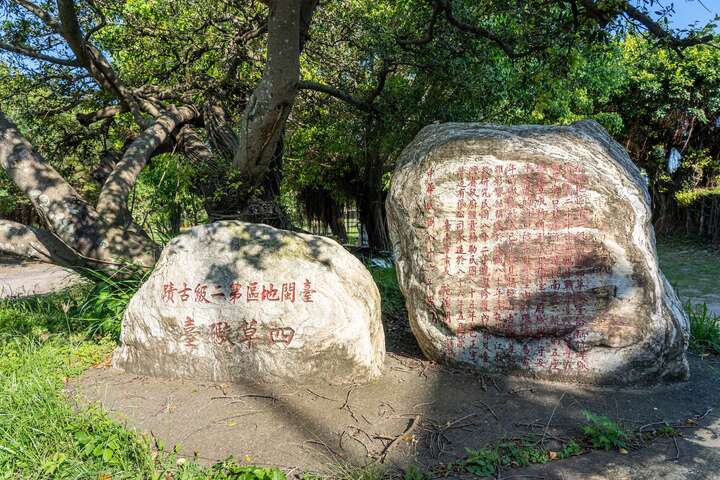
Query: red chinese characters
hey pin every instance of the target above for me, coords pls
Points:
(282, 335)
(514, 230)
(237, 292)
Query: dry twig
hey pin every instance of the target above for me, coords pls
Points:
(405, 435)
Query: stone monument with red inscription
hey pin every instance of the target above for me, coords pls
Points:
(233, 301)
(529, 250)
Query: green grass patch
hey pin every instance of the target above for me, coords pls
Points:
(514, 453)
(42, 434)
(704, 329)
(393, 302)
(603, 433)
(690, 266)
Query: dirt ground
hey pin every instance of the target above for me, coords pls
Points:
(318, 428)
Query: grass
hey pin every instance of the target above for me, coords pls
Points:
(690, 266)
(704, 329)
(42, 435)
(393, 301)
(603, 433)
(694, 271)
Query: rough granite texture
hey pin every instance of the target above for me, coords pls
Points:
(529, 250)
(232, 301)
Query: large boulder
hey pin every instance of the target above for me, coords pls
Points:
(233, 301)
(529, 250)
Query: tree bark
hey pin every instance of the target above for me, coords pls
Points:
(71, 220)
(271, 101)
(34, 243)
(112, 202)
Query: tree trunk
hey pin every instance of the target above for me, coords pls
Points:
(372, 216)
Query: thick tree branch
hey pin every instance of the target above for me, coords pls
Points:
(477, 30)
(67, 215)
(604, 15)
(92, 59)
(658, 31)
(28, 52)
(43, 15)
(223, 139)
(112, 202)
(34, 243)
(70, 30)
(429, 31)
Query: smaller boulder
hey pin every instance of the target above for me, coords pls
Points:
(240, 302)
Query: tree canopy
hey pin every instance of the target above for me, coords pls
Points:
(146, 115)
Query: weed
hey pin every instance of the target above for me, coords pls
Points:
(704, 329)
(514, 453)
(413, 472)
(667, 431)
(569, 449)
(601, 432)
(483, 462)
(230, 470)
(347, 471)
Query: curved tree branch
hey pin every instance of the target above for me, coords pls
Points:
(67, 215)
(223, 139)
(337, 93)
(102, 114)
(112, 202)
(40, 13)
(92, 58)
(272, 99)
(659, 32)
(429, 30)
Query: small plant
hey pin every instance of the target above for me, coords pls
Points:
(413, 472)
(483, 462)
(601, 432)
(230, 470)
(704, 329)
(569, 449)
(667, 431)
(103, 307)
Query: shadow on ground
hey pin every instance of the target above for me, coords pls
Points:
(317, 427)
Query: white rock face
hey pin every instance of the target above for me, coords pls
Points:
(529, 250)
(233, 301)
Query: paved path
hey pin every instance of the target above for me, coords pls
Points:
(26, 279)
